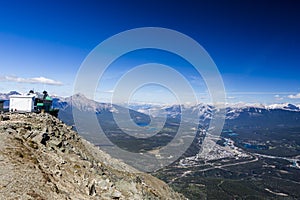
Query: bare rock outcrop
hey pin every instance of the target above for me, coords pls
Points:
(42, 158)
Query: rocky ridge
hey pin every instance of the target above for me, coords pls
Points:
(42, 158)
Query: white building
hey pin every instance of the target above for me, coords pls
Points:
(22, 103)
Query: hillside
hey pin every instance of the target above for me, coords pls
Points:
(42, 158)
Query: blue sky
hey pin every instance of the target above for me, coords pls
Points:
(255, 44)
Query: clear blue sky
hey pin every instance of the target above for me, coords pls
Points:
(254, 43)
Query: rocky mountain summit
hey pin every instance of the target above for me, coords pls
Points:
(42, 158)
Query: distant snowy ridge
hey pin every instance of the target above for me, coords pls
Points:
(284, 106)
(5, 96)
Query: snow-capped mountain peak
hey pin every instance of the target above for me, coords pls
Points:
(284, 106)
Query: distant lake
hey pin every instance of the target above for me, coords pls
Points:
(254, 146)
(229, 132)
(143, 124)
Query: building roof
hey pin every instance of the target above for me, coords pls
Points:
(23, 96)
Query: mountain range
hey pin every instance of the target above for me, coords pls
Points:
(241, 114)
(284, 114)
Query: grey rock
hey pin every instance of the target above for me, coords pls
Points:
(116, 194)
(27, 134)
(55, 143)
